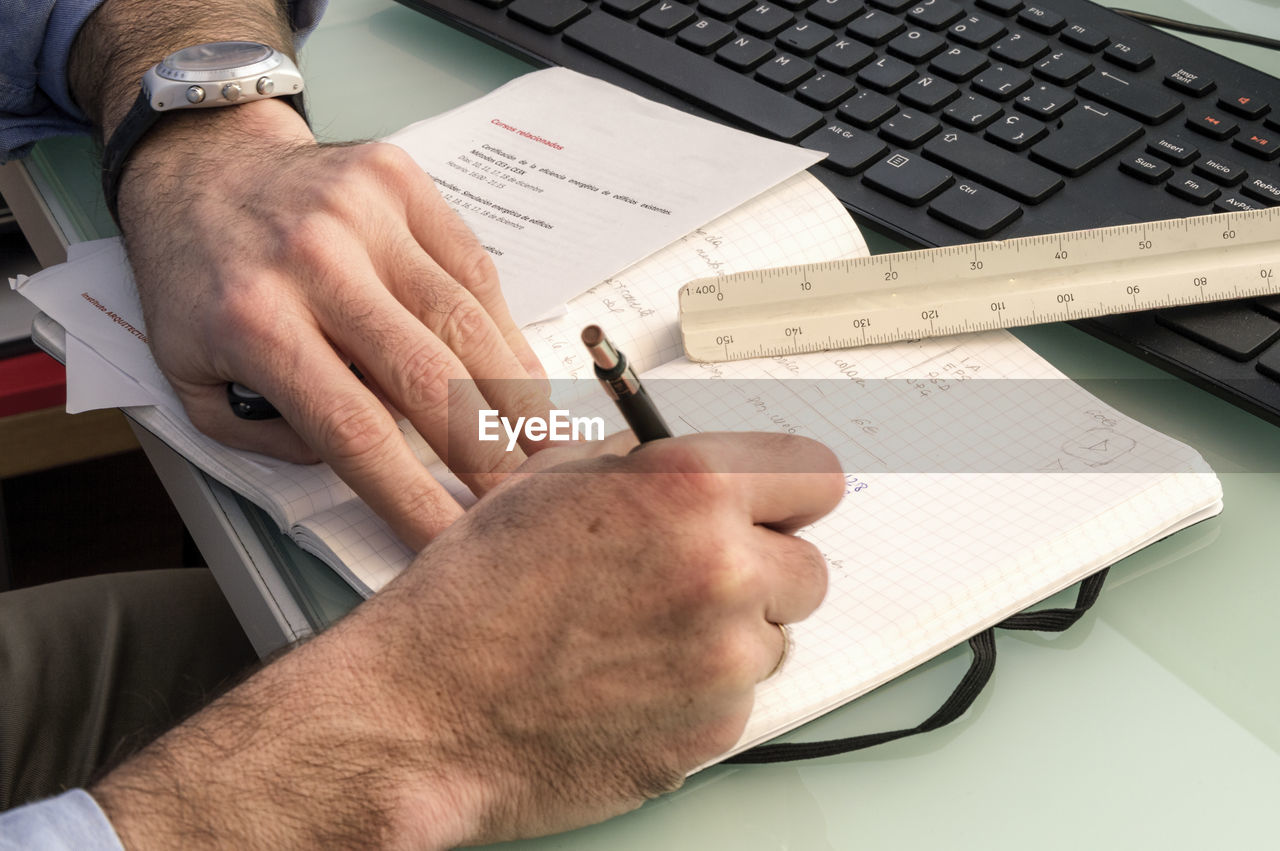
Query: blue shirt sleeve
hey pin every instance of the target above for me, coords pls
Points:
(70, 822)
(35, 96)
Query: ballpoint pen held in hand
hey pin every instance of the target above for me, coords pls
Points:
(624, 387)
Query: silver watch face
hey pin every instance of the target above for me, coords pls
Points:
(218, 60)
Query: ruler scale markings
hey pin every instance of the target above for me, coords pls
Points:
(989, 285)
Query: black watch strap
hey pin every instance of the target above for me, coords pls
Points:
(137, 121)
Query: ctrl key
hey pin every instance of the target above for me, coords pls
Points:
(976, 210)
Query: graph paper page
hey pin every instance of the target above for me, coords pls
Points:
(979, 480)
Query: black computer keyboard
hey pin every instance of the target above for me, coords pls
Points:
(949, 122)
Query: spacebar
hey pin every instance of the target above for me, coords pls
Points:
(694, 78)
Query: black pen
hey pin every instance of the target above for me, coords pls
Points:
(624, 388)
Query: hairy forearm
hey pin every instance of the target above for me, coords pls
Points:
(297, 757)
(124, 38)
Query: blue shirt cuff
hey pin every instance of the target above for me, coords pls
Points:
(72, 821)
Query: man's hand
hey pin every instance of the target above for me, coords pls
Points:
(578, 642)
(298, 258)
(263, 258)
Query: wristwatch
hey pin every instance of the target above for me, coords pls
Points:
(221, 73)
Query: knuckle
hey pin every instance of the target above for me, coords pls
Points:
(813, 570)
(356, 433)
(387, 160)
(726, 578)
(688, 474)
(476, 270)
(463, 323)
(422, 379)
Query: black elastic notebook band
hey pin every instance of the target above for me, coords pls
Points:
(966, 691)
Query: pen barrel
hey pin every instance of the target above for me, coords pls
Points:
(641, 415)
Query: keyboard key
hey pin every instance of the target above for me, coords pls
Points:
(1045, 101)
(845, 56)
(1085, 38)
(1146, 168)
(834, 13)
(766, 21)
(1044, 20)
(958, 64)
(1234, 204)
(1214, 124)
(895, 6)
(1016, 132)
(867, 109)
(744, 53)
(976, 210)
(1000, 82)
(1174, 149)
(1132, 56)
(972, 112)
(1063, 67)
(875, 27)
(784, 72)
(805, 39)
(824, 90)
(935, 14)
(1268, 304)
(1244, 105)
(1005, 171)
(1001, 7)
(909, 129)
(1269, 363)
(849, 150)
(547, 15)
(1130, 96)
(1018, 49)
(1265, 189)
(1197, 190)
(1220, 171)
(1087, 137)
(916, 46)
(886, 74)
(707, 84)
(928, 93)
(908, 178)
(1190, 82)
(725, 9)
(665, 18)
(977, 31)
(626, 8)
(1226, 327)
(704, 35)
(1261, 144)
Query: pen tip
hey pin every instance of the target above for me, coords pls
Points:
(592, 336)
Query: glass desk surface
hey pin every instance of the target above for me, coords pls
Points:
(1153, 723)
